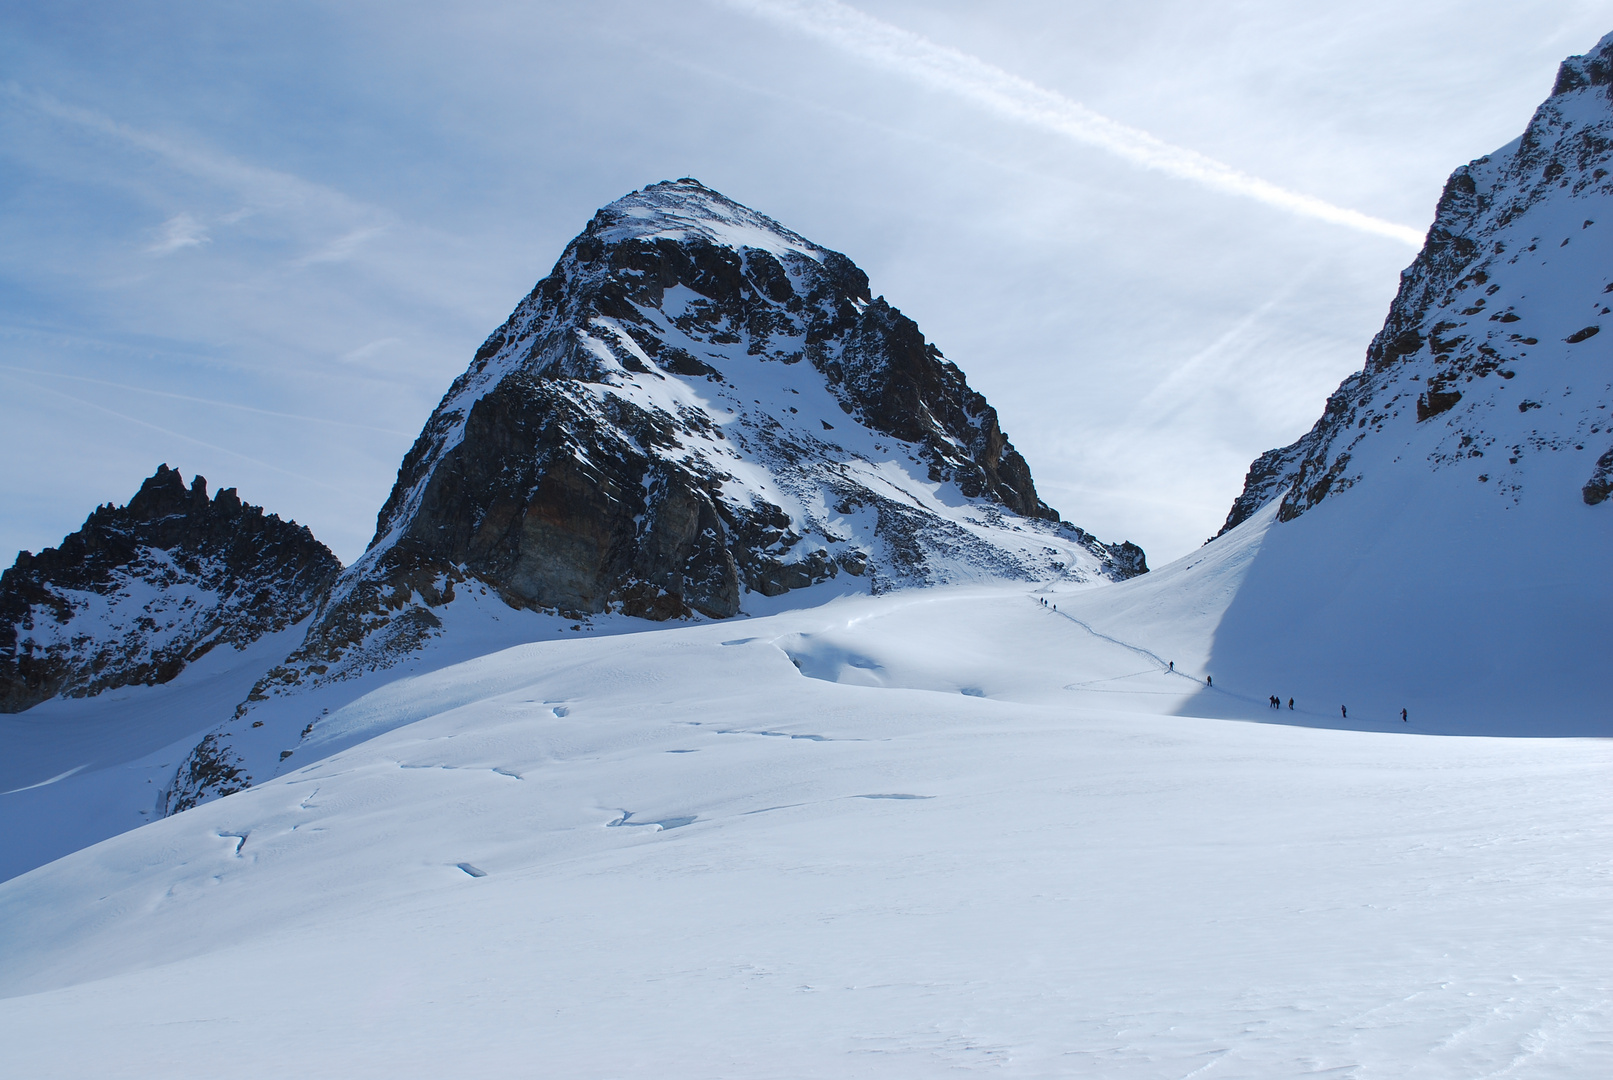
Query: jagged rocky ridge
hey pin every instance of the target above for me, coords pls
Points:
(1513, 280)
(143, 590)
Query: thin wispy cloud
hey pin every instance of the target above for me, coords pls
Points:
(311, 207)
(1207, 365)
(944, 68)
(369, 349)
(343, 247)
(210, 402)
(994, 162)
(178, 232)
(261, 187)
(170, 433)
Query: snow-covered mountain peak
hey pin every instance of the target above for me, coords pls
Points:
(682, 210)
(1440, 535)
(695, 414)
(1591, 69)
(670, 337)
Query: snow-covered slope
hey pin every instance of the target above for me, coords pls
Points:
(937, 830)
(1442, 533)
(74, 771)
(973, 826)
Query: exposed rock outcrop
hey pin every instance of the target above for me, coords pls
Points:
(143, 590)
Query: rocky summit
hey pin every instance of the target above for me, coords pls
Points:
(143, 590)
(1490, 361)
(696, 405)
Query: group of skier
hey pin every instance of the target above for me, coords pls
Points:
(1344, 710)
(1272, 701)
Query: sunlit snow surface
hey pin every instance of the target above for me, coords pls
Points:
(931, 832)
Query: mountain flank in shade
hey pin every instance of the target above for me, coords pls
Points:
(1438, 541)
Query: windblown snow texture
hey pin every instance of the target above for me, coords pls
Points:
(956, 836)
(143, 590)
(1490, 361)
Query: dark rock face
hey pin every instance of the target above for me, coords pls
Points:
(685, 410)
(1600, 485)
(143, 590)
(1491, 283)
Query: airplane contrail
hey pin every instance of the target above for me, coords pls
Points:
(942, 67)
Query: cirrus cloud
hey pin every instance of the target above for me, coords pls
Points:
(944, 68)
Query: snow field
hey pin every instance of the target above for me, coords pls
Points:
(77, 770)
(959, 864)
(1479, 616)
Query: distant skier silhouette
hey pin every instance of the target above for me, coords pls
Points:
(1290, 704)
(1344, 713)
(1403, 716)
(1173, 665)
(1208, 681)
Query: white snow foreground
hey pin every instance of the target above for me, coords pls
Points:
(985, 844)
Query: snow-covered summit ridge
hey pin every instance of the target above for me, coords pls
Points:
(1490, 361)
(1591, 69)
(684, 210)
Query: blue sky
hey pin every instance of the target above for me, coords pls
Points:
(258, 241)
